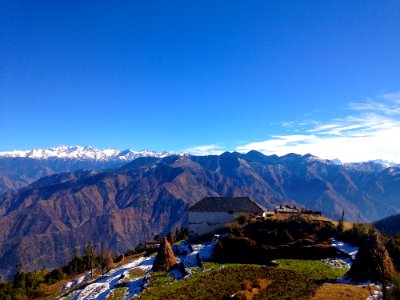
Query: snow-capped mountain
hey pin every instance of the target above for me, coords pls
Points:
(376, 165)
(19, 168)
(372, 165)
(336, 161)
(83, 153)
(384, 163)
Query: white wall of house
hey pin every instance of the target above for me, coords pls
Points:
(202, 223)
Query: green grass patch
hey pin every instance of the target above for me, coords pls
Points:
(158, 279)
(117, 293)
(136, 273)
(293, 279)
(313, 268)
(179, 242)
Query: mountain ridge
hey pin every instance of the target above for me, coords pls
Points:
(82, 153)
(92, 153)
(131, 203)
(21, 168)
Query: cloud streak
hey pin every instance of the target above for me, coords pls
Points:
(205, 149)
(370, 131)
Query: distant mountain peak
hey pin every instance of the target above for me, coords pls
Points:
(83, 153)
(337, 162)
(376, 165)
(384, 163)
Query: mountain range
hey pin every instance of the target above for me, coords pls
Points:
(82, 153)
(120, 203)
(19, 168)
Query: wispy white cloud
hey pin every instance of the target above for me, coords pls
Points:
(315, 111)
(205, 149)
(395, 97)
(376, 107)
(386, 104)
(370, 131)
(290, 124)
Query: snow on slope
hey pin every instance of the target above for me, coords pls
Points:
(187, 254)
(371, 166)
(83, 153)
(119, 277)
(101, 287)
(345, 249)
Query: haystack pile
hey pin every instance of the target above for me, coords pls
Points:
(372, 262)
(165, 258)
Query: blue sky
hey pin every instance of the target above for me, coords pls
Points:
(204, 76)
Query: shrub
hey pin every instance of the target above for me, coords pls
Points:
(233, 227)
(182, 234)
(242, 218)
(107, 262)
(394, 292)
(358, 234)
(393, 246)
(140, 248)
(119, 258)
(55, 275)
(340, 226)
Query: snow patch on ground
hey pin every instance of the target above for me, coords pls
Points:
(377, 294)
(337, 263)
(189, 255)
(135, 287)
(76, 281)
(342, 263)
(101, 287)
(345, 248)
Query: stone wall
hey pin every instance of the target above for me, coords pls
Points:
(203, 223)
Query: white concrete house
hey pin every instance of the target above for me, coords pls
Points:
(212, 213)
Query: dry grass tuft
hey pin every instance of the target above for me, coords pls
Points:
(261, 284)
(333, 291)
(165, 258)
(249, 289)
(243, 295)
(246, 285)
